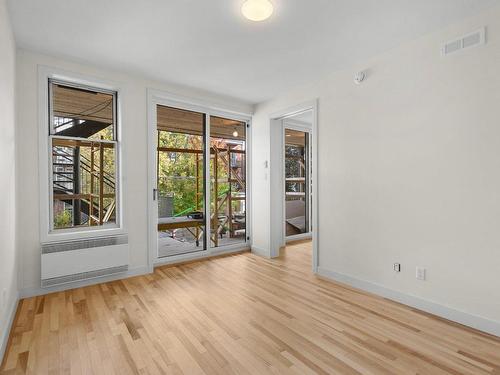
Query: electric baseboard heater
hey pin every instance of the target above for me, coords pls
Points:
(66, 262)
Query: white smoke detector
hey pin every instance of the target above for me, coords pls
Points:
(359, 77)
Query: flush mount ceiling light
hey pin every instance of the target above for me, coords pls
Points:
(257, 10)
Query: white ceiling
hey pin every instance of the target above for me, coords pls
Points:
(207, 44)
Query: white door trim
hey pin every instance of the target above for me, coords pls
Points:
(158, 97)
(277, 193)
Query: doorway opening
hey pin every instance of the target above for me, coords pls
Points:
(293, 178)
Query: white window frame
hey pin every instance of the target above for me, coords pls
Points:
(47, 234)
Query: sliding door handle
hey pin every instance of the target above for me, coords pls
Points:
(155, 194)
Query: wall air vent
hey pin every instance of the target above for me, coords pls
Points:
(473, 39)
(71, 261)
(83, 244)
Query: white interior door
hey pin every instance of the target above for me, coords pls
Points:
(277, 238)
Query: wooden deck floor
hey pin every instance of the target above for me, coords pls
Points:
(239, 314)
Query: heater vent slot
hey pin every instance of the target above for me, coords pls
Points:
(82, 276)
(473, 39)
(83, 244)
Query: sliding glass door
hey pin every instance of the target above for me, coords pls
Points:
(180, 181)
(227, 181)
(200, 157)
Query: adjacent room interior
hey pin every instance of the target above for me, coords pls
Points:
(298, 175)
(249, 187)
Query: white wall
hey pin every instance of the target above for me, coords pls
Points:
(409, 170)
(8, 256)
(135, 156)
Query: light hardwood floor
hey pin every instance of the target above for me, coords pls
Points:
(238, 315)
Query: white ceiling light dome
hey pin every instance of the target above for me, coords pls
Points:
(257, 10)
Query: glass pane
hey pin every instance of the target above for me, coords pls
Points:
(227, 181)
(181, 209)
(83, 183)
(82, 113)
(296, 187)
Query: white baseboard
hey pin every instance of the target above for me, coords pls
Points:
(298, 237)
(260, 252)
(10, 320)
(39, 291)
(470, 320)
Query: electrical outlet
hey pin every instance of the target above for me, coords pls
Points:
(420, 274)
(397, 267)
